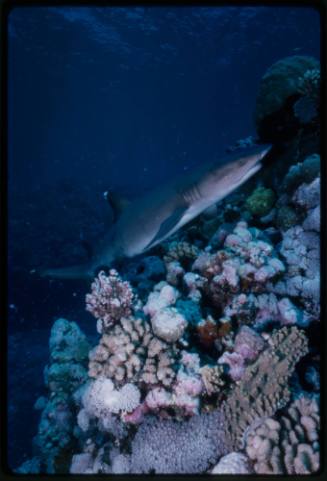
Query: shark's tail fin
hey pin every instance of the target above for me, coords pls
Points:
(81, 271)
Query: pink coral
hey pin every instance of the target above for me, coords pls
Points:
(110, 300)
(137, 416)
(235, 362)
(248, 343)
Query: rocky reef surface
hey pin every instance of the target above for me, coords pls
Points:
(207, 358)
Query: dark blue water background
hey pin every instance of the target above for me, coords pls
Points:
(122, 98)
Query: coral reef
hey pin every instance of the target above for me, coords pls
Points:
(196, 367)
(287, 444)
(163, 446)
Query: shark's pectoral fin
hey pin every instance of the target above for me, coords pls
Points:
(117, 203)
(168, 225)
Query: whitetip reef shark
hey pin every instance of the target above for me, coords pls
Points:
(158, 214)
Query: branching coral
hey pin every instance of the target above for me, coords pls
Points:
(212, 378)
(131, 353)
(118, 355)
(264, 385)
(110, 299)
(288, 444)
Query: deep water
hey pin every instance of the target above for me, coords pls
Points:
(120, 98)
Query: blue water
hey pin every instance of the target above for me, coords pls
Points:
(122, 98)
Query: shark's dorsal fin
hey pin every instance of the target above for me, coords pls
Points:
(116, 202)
(168, 225)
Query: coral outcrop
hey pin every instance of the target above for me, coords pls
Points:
(284, 83)
(66, 372)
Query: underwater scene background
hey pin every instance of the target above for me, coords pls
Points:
(202, 354)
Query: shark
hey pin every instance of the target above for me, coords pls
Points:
(156, 215)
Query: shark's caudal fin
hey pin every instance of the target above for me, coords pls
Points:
(81, 271)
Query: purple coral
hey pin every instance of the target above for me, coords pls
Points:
(110, 300)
